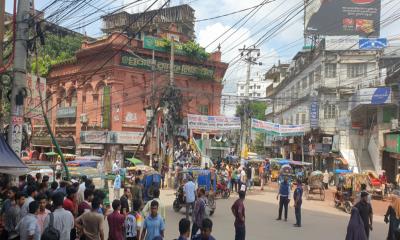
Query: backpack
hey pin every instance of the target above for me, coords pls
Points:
(50, 233)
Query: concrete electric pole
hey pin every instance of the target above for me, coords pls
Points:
(18, 91)
(2, 30)
(251, 55)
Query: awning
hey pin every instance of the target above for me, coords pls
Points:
(135, 161)
(10, 163)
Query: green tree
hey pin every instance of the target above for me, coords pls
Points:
(57, 49)
(256, 110)
(258, 144)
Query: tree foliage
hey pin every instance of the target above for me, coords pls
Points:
(57, 49)
(258, 144)
(191, 49)
(256, 110)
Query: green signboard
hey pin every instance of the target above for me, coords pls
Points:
(182, 69)
(392, 143)
(106, 107)
(159, 44)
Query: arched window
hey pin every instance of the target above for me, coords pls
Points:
(87, 96)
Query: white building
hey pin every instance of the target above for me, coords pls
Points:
(346, 120)
(257, 87)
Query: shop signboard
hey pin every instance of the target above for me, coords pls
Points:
(64, 142)
(392, 143)
(112, 137)
(269, 110)
(66, 112)
(343, 18)
(203, 122)
(132, 138)
(93, 137)
(161, 66)
(32, 102)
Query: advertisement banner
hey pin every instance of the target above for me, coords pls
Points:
(343, 17)
(182, 69)
(373, 96)
(392, 143)
(107, 106)
(277, 129)
(93, 137)
(32, 102)
(335, 43)
(203, 122)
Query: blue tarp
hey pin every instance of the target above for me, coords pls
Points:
(10, 163)
(342, 171)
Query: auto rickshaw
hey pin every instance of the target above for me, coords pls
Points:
(203, 179)
(151, 181)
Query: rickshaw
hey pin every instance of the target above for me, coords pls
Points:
(275, 167)
(377, 188)
(151, 181)
(203, 179)
(315, 185)
(346, 193)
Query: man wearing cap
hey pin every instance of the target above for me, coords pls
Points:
(298, 200)
(365, 211)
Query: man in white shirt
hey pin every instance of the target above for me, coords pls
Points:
(115, 167)
(190, 193)
(31, 192)
(63, 219)
(242, 179)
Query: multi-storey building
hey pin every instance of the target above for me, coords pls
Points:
(331, 92)
(257, 87)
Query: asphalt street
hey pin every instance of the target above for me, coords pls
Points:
(320, 219)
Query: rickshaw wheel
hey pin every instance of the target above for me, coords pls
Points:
(226, 194)
(322, 194)
(176, 205)
(347, 207)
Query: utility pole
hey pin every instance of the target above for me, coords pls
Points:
(251, 55)
(2, 30)
(18, 92)
(171, 64)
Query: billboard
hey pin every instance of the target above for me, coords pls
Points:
(343, 17)
(372, 43)
(32, 103)
(373, 96)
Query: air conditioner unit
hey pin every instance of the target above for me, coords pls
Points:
(84, 118)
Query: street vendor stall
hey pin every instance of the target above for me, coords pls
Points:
(10, 163)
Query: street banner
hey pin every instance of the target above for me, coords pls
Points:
(32, 104)
(314, 113)
(277, 129)
(203, 122)
(343, 17)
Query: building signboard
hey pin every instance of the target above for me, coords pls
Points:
(392, 143)
(32, 103)
(160, 45)
(343, 18)
(373, 96)
(66, 112)
(337, 43)
(372, 43)
(64, 142)
(314, 113)
(182, 69)
(269, 110)
(93, 137)
(204, 122)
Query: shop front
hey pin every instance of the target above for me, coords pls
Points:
(391, 155)
(44, 144)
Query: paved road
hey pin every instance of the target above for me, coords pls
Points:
(320, 220)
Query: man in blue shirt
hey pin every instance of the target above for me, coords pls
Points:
(298, 200)
(283, 195)
(153, 224)
(190, 193)
(28, 227)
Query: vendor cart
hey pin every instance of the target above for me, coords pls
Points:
(315, 186)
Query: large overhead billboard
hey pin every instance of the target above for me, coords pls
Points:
(343, 17)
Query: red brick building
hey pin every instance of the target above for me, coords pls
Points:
(99, 107)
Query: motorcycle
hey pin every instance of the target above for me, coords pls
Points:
(180, 202)
(223, 190)
(343, 200)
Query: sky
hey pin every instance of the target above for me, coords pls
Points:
(281, 46)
